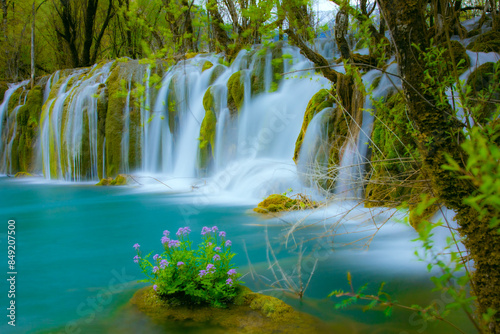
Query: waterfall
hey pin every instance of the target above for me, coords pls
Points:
(114, 118)
(69, 126)
(5, 126)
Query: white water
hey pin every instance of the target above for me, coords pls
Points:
(253, 150)
(4, 154)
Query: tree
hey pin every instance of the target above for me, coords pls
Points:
(83, 53)
(440, 135)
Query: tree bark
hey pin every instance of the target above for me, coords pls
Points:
(97, 43)
(33, 46)
(316, 58)
(69, 30)
(221, 38)
(438, 136)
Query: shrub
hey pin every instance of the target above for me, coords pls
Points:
(187, 276)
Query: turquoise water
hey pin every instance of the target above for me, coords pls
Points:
(76, 275)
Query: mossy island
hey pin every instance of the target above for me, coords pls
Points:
(250, 312)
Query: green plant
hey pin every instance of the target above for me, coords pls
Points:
(483, 170)
(193, 276)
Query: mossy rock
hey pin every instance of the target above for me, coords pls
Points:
(207, 65)
(474, 32)
(257, 76)
(15, 100)
(28, 117)
(460, 57)
(485, 87)
(173, 105)
(487, 42)
(120, 180)
(22, 175)
(190, 55)
(3, 89)
(235, 93)
(279, 202)
(250, 313)
(207, 132)
(102, 110)
(105, 182)
(114, 118)
(321, 100)
(216, 73)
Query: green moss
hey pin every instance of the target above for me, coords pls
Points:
(102, 110)
(207, 65)
(250, 313)
(63, 159)
(3, 89)
(120, 180)
(105, 182)
(85, 154)
(207, 132)
(394, 172)
(485, 88)
(114, 119)
(278, 203)
(487, 42)
(376, 82)
(216, 73)
(135, 148)
(235, 93)
(208, 100)
(474, 32)
(22, 175)
(416, 218)
(348, 110)
(173, 106)
(460, 57)
(15, 100)
(318, 102)
(28, 117)
(54, 90)
(257, 76)
(190, 55)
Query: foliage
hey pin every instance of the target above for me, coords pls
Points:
(483, 170)
(182, 274)
(451, 277)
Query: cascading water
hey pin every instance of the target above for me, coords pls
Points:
(69, 124)
(6, 135)
(112, 119)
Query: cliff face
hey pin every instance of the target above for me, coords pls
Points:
(127, 115)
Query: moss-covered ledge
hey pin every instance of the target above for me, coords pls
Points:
(279, 203)
(120, 180)
(250, 313)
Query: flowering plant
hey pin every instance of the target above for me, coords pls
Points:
(180, 273)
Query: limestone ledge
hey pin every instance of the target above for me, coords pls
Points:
(250, 313)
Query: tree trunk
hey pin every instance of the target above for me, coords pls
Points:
(341, 26)
(69, 33)
(33, 47)
(221, 38)
(438, 136)
(5, 8)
